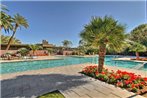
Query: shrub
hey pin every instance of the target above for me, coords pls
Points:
(23, 51)
(119, 78)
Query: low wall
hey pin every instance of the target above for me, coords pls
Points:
(37, 52)
(8, 51)
(67, 52)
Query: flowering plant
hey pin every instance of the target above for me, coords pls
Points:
(123, 79)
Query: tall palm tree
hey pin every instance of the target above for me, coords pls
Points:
(137, 47)
(5, 20)
(102, 33)
(66, 43)
(19, 21)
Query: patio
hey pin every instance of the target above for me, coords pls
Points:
(66, 79)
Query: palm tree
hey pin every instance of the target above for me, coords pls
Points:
(18, 22)
(23, 51)
(5, 20)
(137, 47)
(102, 33)
(34, 48)
(50, 50)
(16, 41)
(66, 43)
(5, 39)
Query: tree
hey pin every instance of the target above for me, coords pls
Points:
(82, 48)
(5, 20)
(50, 50)
(102, 33)
(66, 44)
(137, 47)
(23, 51)
(19, 21)
(139, 34)
(5, 39)
(34, 48)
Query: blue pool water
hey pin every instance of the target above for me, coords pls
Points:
(64, 61)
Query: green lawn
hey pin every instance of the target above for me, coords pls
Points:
(54, 94)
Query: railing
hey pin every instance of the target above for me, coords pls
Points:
(139, 66)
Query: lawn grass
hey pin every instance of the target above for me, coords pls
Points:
(54, 94)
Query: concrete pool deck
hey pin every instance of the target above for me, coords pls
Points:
(67, 79)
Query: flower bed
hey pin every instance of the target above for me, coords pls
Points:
(123, 79)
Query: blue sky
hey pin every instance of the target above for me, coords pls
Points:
(56, 21)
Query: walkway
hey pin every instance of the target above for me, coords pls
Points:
(72, 84)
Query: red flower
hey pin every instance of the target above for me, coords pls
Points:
(103, 73)
(96, 73)
(127, 82)
(133, 85)
(145, 79)
(142, 83)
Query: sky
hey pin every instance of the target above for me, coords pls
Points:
(56, 21)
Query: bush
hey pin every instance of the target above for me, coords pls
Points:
(122, 79)
(23, 51)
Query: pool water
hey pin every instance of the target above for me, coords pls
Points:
(13, 67)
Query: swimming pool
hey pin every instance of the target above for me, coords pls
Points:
(13, 67)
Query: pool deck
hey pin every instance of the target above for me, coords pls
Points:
(67, 79)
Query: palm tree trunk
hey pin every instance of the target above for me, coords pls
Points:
(10, 40)
(33, 52)
(102, 52)
(137, 56)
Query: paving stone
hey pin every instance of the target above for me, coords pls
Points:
(113, 96)
(71, 94)
(89, 87)
(85, 96)
(7, 92)
(96, 94)
(122, 93)
(80, 91)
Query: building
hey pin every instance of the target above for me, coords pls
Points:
(15, 47)
(44, 45)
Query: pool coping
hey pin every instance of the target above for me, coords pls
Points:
(30, 60)
(25, 60)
